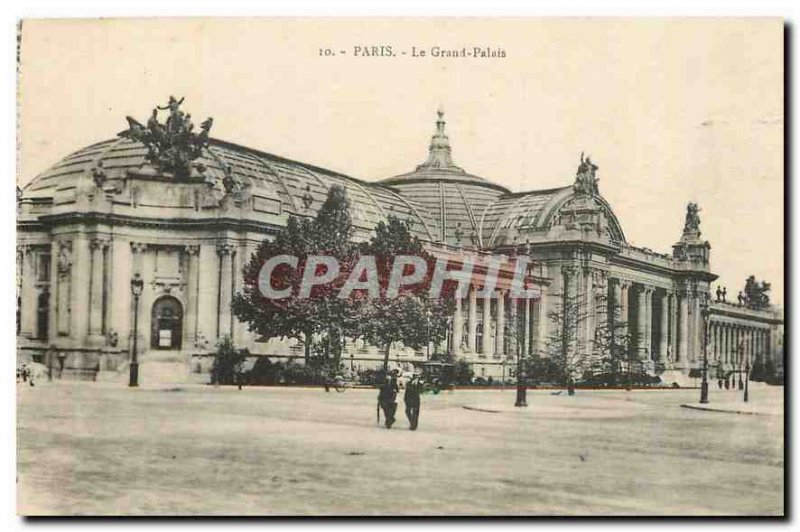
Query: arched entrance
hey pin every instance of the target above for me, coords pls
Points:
(166, 327)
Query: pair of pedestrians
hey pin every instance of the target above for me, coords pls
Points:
(387, 400)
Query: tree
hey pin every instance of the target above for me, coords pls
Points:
(608, 351)
(228, 362)
(611, 346)
(323, 320)
(567, 316)
(412, 317)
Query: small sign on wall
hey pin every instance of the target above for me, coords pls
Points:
(165, 338)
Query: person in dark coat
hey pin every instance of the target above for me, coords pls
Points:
(387, 399)
(412, 400)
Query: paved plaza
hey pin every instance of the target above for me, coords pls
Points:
(100, 448)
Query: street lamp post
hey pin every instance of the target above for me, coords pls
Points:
(747, 380)
(137, 285)
(522, 399)
(428, 332)
(741, 356)
(704, 383)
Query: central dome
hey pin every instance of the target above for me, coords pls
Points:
(456, 198)
(440, 166)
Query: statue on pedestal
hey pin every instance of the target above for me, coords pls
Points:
(585, 179)
(691, 225)
(171, 146)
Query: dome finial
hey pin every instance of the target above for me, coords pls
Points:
(439, 150)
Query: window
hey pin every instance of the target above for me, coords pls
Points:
(43, 274)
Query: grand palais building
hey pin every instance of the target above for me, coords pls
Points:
(116, 209)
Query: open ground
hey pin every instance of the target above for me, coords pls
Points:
(104, 449)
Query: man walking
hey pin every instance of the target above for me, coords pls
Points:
(412, 400)
(387, 399)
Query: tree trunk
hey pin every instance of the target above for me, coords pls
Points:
(386, 357)
(307, 353)
(338, 347)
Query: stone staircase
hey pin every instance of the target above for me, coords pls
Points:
(157, 368)
(680, 377)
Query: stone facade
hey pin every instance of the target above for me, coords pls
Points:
(106, 212)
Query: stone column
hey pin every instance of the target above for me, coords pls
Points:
(543, 321)
(526, 328)
(513, 347)
(624, 315)
(756, 343)
(138, 251)
(641, 322)
(28, 293)
(738, 346)
(79, 300)
(600, 297)
(743, 342)
(458, 327)
(193, 294)
(62, 270)
(225, 252)
(119, 290)
(663, 340)
(18, 284)
(724, 345)
(472, 321)
(649, 323)
(760, 351)
(536, 331)
(500, 349)
(241, 334)
(207, 298)
(673, 329)
(727, 344)
(486, 339)
(683, 336)
(697, 322)
(588, 329)
(98, 247)
(616, 298)
(716, 332)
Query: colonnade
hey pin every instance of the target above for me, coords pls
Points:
(485, 326)
(732, 344)
(662, 325)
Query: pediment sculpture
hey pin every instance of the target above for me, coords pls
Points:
(172, 145)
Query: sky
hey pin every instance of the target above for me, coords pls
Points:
(671, 110)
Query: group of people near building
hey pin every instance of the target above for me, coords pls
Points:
(387, 400)
(25, 373)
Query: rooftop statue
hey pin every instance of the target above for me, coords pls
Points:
(585, 179)
(173, 145)
(692, 222)
(756, 295)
